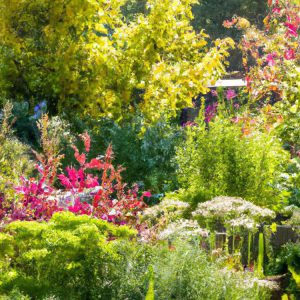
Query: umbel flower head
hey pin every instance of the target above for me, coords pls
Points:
(235, 212)
(183, 229)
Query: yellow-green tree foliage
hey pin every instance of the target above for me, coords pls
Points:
(82, 56)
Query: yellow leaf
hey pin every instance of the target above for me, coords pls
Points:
(274, 227)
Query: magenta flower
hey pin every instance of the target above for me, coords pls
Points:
(289, 54)
(210, 112)
(277, 10)
(147, 194)
(80, 208)
(271, 59)
(291, 29)
(230, 94)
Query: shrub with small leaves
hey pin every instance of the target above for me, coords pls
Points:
(71, 257)
(224, 160)
(14, 155)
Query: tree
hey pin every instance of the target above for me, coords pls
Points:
(272, 61)
(210, 14)
(83, 57)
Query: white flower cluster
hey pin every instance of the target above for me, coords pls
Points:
(249, 280)
(268, 284)
(229, 207)
(182, 228)
(242, 221)
(165, 206)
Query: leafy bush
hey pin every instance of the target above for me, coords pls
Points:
(271, 59)
(14, 155)
(221, 160)
(288, 261)
(77, 257)
(210, 14)
(186, 273)
(291, 181)
(111, 199)
(25, 125)
(15, 294)
(69, 257)
(145, 152)
(95, 180)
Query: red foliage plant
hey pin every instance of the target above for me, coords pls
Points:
(110, 199)
(35, 203)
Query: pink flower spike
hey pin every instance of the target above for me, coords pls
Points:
(248, 81)
(230, 94)
(147, 194)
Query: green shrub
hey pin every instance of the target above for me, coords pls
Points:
(210, 15)
(291, 181)
(77, 257)
(158, 53)
(14, 155)
(287, 261)
(177, 275)
(69, 257)
(221, 160)
(186, 273)
(15, 294)
(146, 156)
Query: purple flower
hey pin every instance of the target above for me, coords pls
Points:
(230, 94)
(210, 112)
(37, 108)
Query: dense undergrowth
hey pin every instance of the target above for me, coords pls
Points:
(105, 195)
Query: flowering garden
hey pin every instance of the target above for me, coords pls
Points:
(125, 173)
